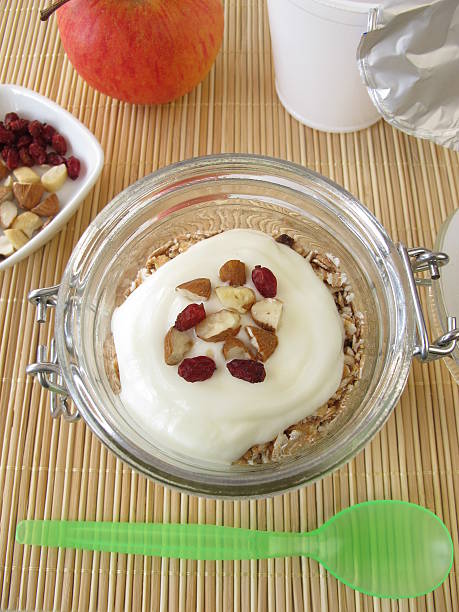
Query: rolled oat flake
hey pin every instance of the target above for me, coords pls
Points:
(409, 61)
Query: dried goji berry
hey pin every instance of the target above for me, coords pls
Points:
(38, 153)
(19, 126)
(24, 141)
(48, 132)
(9, 117)
(196, 369)
(247, 369)
(6, 137)
(25, 157)
(73, 167)
(5, 151)
(265, 281)
(190, 316)
(35, 128)
(12, 160)
(58, 143)
(54, 159)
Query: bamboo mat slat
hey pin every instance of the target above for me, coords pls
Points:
(49, 468)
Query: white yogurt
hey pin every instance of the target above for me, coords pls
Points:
(217, 420)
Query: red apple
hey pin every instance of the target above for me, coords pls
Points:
(142, 51)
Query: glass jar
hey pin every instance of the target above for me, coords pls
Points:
(210, 194)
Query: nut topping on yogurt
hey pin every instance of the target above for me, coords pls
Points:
(295, 330)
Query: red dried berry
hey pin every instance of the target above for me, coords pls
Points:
(73, 167)
(35, 128)
(38, 153)
(24, 141)
(25, 157)
(6, 137)
(19, 126)
(9, 117)
(58, 143)
(48, 132)
(247, 369)
(196, 369)
(5, 151)
(190, 316)
(265, 281)
(54, 159)
(12, 160)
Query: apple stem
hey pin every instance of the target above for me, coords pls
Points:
(47, 12)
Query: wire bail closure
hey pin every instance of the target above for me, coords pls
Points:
(421, 260)
(49, 373)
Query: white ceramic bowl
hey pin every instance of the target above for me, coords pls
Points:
(81, 143)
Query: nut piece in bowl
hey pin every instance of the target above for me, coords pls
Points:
(179, 210)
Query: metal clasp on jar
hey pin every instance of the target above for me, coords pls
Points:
(420, 260)
(47, 368)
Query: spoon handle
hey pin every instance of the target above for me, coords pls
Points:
(202, 542)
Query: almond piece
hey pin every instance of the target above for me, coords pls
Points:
(236, 349)
(265, 342)
(233, 272)
(17, 238)
(8, 213)
(4, 193)
(239, 299)
(196, 290)
(28, 223)
(267, 313)
(6, 248)
(4, 172)
(54, 178)
(176, 346)
(47, 207)
(219, 326)
(23, 174)
(28, 194)
(8, 183)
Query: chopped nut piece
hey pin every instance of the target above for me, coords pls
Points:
(233, 272)
(28, 194)
(4, 193)
(6, 247)
(197, 289)
(54, 178)
(28, 223)
(218, 326)
(8, 213)
(16, 237)
(26, 175)
(47, 207)
(265, 342)
(267, 313)
(239, 299)
(285, 239)
(8, 183)
(236, 349)
(176, 346)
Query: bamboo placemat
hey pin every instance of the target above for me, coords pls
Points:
(49, 468)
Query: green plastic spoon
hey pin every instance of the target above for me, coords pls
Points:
(381, 548)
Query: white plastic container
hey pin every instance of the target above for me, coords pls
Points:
(314, 46)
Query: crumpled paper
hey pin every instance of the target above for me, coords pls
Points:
(409, 61)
